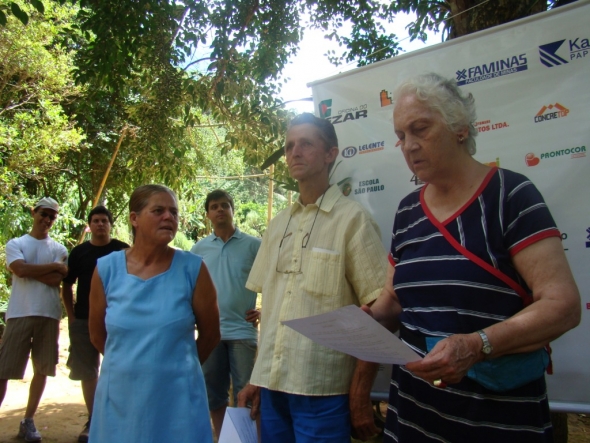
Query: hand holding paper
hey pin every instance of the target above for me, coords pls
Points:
(352, 331)
(238, 427)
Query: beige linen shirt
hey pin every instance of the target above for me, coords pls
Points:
(338, 262)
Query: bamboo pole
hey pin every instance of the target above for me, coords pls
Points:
(106, 176)
(270, 194)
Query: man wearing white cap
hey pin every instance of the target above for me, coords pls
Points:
(38, 266)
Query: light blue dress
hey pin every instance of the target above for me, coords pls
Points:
(151, 387)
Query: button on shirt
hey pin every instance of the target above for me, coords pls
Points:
(343, 263)
(229, 264)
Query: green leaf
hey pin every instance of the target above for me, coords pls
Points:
(275, 157)
(19, 13)
(2, 18)
(38, 5)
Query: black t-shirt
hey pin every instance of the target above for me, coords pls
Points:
(81, 264)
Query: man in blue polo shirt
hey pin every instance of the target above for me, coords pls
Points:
(229, 255)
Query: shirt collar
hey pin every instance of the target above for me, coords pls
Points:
(330, 197)
(237, 234)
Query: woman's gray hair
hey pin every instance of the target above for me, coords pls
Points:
(443, 96)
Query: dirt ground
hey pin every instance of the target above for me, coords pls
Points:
(62, 413)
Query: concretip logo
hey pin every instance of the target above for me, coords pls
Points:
(531, 159)
(325, 108)
(551, 112)
(348, 152)
(548, 54)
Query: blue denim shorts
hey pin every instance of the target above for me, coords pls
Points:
(231, 361)
(292, 418)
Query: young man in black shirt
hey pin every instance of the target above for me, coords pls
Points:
(84, 359)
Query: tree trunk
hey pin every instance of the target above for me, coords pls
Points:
(488, 14)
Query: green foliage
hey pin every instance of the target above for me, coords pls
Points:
(147, 59)
(4, 275)
(213, 165)
(34, 83)
(456, 18)
(181, 241)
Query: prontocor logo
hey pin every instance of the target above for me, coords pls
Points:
(487, 71)
(531, 159)
(325, 108)
(551, 112)
(549, 54)
(576, 152)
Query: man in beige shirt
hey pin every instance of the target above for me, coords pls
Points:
(320, 254)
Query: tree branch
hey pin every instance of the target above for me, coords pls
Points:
(195, 62)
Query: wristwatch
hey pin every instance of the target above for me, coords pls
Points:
(487, 347)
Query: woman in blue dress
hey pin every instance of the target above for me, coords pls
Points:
(478, 284)
(144, 304)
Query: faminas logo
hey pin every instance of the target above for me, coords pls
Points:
(551, 112)
(487, 71)
(325, 108)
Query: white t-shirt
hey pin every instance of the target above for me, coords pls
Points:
(28, 296)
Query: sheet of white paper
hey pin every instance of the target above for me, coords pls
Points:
(354, 332)
(238, 427)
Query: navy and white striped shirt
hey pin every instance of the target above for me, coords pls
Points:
(442, 293)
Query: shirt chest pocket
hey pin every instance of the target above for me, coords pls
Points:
(238, 267)
(323, 273)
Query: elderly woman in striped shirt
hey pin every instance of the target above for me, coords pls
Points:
(478, 284)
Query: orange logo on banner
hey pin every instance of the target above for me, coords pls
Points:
(563, 110)
(531, 159)
(385, 98)
(549, 113)
(494, 163)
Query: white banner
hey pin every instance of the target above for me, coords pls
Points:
(531, 83)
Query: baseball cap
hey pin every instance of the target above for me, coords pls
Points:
(47, 202)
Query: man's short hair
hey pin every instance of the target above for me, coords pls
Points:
(218, 194)
(100, 210)
(326, 128)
